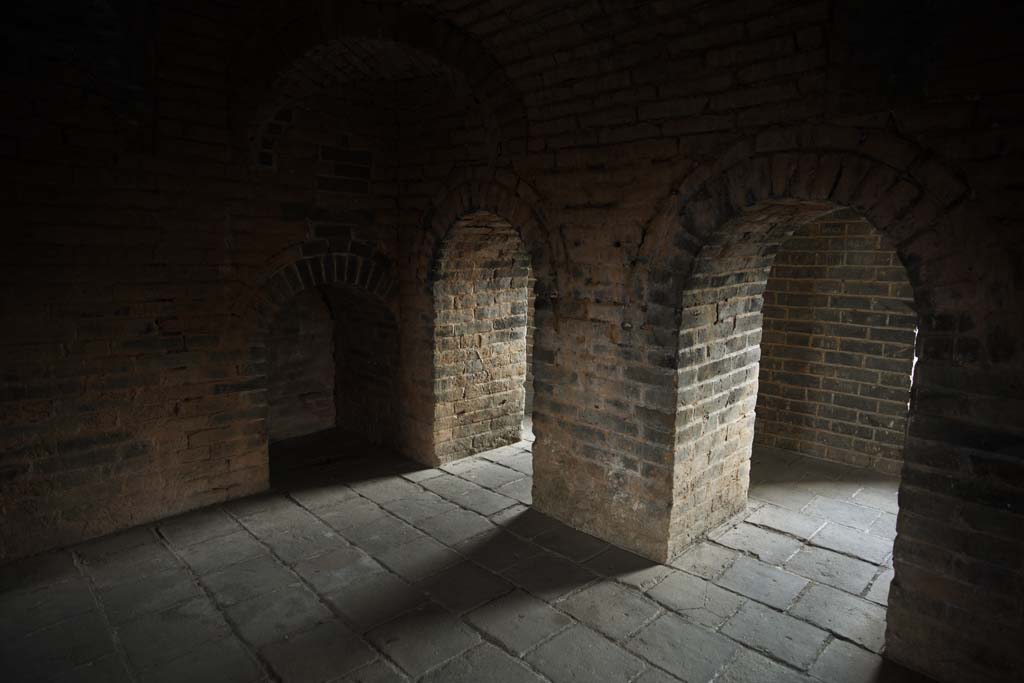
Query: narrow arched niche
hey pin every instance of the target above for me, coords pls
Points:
(482, 330)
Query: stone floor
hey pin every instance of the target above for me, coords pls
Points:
(447, 575)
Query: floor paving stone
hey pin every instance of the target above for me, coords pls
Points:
(300, 542)
(334, 570)
(316, 497)
(685, 650)
(843, 662)
(762, 582)
(468, 495)
(488, 474)
(520, 490)
(833, 569)
(208, 556)
(272, 616)
(778, 635)
(323, 653)
(575, 545)
(798, 524)
(422, 475)
(750, 667)
(548, 576)
(497, 550)
(420, 506)
(879, 591)
(378, 672)
(194, 527)
(423, 639)
(384, 489)
(351, 513)
(109, 669)
(57, 649)
(784, 494)
(611, 608)
(767, 546)
(706, 560)
(840, 512)
(524, 521)
(696, 599)
(154, 639)
(223, 661)
(148, 594)
(852, 542)
(883, 498)
(38, 606)
(419, 559)
(382, 535)
(846, 615)
(470, 667)
(652, 675)
(143, 560)
(247, 579)
(580, 654)
(373, 600)
(884, 526)
(456, 526)
(518, 621)
(465, 586)
(622, 565)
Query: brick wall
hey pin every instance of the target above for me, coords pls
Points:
(837, 346)
(300, 369)
(481, 297)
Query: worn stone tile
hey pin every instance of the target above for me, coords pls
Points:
(579, 654)
(521, 461)
(152, 640)
(41, 605)
(419, 506)
(478, 499)
(419, 559)
(217, 553)
(482, 662)
(575, 545)
(497, 550)
(378, 672)
(323, 653)
(518, 621)
(762, 582)
(884, 526)
(422, 475)
(706, 560)
(852, 542)
(622, 565)
(783, 494)
(300, 542)
(316, 497)
(334, 570)
(884, 498)
(840, 512)
(222, 661)
(278, 520)
(57, 649)
(524, 521)
(696, 599)
(687, 651)
(456, 526)
(194, 527)
(825, 566)
(98, 551)
(836, 489)
(797, 524)
(488, 474)
(247, 579)
(109, 669)
(133, 563)
(846, 615)
(504, 452)
(548, 576)
(352, 513)
(382, 535)
(465, 586)
(767, 546)
(779, 635)
(520, 490)
(652, 675)
(272, 616)
(880, 588)
(843, 662)
(384, 489)
(423, 639)
(147, 594)
(373, 600)
(750, 667)
(260, 504)
(610, 608)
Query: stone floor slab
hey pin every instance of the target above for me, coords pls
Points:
(323, 653)
(518, 621)
(696, 599)
(846, 615)
(217, 553)
(687, 651)
(841, 512)
(456, 526)
(154, 640)
(247, 579)
(423, 639)
(148, 594)
(778, 635)
(767, 546)
(569, 542)
(797, 524)
(334, 570)
(836, 570)
(579, 654)
(419, 559)
(707, 560)
(611, 608)
(497, 550)
(762, 582)
(222, 661)
(465, 586)
(548, 576)
(483, 661)
(273, 616)
(56, 650)
(750, 667)
(852, 542)
(373, 600)
(623, 566)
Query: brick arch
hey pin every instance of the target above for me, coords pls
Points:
(267, 49)
(311, 264)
